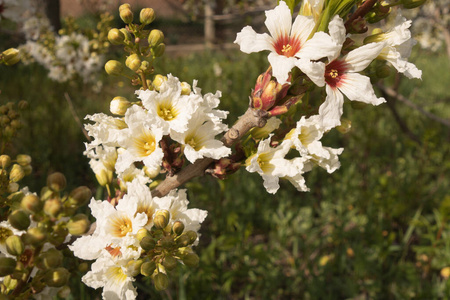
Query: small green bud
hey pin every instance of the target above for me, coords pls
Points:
(14, 245)
(5, 161)
(148, 268)
(185, 88)
(116, 37)
(142, 233)
(178, 227)
(148, 243)
(408, 4)
(183, 240)
(167, 242)
(147, 16)
(161, 281)
(56, 181)
(23, 159)
(345, 127)
(192, 236)
(134, 267)
(11, 56)
(27, 169)
(125, 13)
(80, 196)
(52, 258)
(10, 284)
(23, 105)
(16, 173)
(19, 220)
(161, 219)
(158, 81)
(155, 38)
(35, 236)
(158, 51)
(57, 277)
(191, 260)
(7, 266)
(170, 262)
(13, 187)
(83, 267)
(4, 120)
(114, 67)
(52, 207)
(133, 62)
(104, 177)
(119, 105)
(126, 34)
(78, 225)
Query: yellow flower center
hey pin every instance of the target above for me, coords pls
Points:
(334, 73)
(166, 111)
(145, 143)
(120, 226)
(286, 48)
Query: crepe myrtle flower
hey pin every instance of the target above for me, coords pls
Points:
(288, 42)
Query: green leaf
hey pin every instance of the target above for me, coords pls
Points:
(291, 4)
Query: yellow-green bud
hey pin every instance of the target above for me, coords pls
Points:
(46, 193)
(35, 236)
(52, 207)
(57, 277)
(178, 227)
(4, 120)
(13, 187)
(142, 233)
(191, 260)
(11, 56)
(147, 16)
(161, 281)
(119, 105)
(56, 181)
(159, 50)
(183, 240)
(7, 266)
(126, 34)
(185, 88)
(16, 173)
(5, 161)
(161, 219)
(152, 172)
(155, 38)
(192, 236)
(170, 262)
(23, 159)
(52, 259)
(104, 177)
(408, 4)
(148, 268)
(134, 267)
(31, 203)
(158, 81)
(10, 284)
(133, 62)
(80, 196)
(14, 245)
(23, 105)
(83, 267)
(19, 220)
(27, 169)
(167, 242)
(116, 37)
(114, 67)
(125, 13)
(345, 127)
(78, 225)
(148, 243)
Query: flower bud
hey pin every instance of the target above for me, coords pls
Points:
(14, 245)
(191, 260)
(52, 207)
(126, 34)
(148, 268)
(185, 88)
(78, 225)
(345, 127)
(56, 181)
(267, 91)
(134, 267)
(119, 105)
(11, 56)
(5, 161)
(23, 159)
(147, 16)
(152, 172)
(148, 243)
(178, 227)
(116, 37)
(158, 81)
(161, 281)
(133, 62)
(192, 236)
(10, 284)
(7, 266)
(167, 242)
(27, 169)
(35, 236)
(23, 105)
(142, 233)
(183, 240)
(31, 203)
(408, 4)
(104, 177)
(170, 262)
(12, 187)
(158, 51)
(19, 220)
(16, 173)
(161, 219)
(155, 38)
(445, 272)
(57, 277)
(80, 196)
(125, 13)
(114, 67)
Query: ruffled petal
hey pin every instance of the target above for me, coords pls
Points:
(250, 41)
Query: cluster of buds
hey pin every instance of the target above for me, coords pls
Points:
(143, 46)
(11, 172)
(10, 120)
(10, 57)
(164, 248)
(35, 228)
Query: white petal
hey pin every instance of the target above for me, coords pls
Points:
(250, 41)
(279, 21)
(281, 66)
(319, 46)
(361, 57)
(314, 70)
(302, 28)
(358, 87)
(337, 30)
(331, 110)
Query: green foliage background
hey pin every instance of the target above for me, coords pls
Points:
(375, 229)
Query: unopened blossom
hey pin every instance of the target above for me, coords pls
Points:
(288, 42)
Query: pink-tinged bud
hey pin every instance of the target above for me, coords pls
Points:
(359, 25)
(267, 91)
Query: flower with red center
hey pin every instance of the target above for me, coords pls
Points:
(288, 42)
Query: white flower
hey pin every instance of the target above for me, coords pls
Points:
(342, 77)
(13, 9)
(288, 43)
(105, 131)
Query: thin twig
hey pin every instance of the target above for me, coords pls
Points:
(75, 116)
(361, 11)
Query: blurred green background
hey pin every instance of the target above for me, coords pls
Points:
(377, 228)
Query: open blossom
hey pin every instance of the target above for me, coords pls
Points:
(341, 77)
(288, 42)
